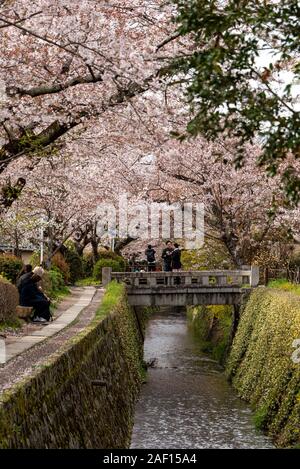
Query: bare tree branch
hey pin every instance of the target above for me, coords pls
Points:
(166, 41)
(38, 36)
(56, 87)
(20, 147)
(21, 20)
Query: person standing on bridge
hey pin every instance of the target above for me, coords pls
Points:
(150, 256)
(167, 257)
(176, 258)
(176, 262)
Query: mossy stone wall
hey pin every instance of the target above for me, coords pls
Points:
(212, 325)
(59, 406)
(260, 364)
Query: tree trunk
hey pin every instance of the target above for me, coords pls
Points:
(79, 248)
(121, 244)
(95, 244)
(16, 250)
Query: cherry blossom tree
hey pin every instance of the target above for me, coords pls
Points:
(243, 208)
(87, 113)
(242, 78)
(64, 66)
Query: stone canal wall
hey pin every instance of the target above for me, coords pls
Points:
(264, 362)
(84, 395)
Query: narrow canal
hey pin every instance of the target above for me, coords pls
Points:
(187, 402)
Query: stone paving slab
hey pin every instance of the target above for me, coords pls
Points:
(26, 340)
(48, 332)
(24, 343)
(19, 347)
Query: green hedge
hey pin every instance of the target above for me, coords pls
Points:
(260, 364)
(89, 263)
(76, 265)
(53, 283)
(10, 266)
(116, 265)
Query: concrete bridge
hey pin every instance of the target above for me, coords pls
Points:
(216, 287)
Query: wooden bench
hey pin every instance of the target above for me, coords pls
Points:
(24, 312)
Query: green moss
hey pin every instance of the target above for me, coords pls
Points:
(212, 325)
(283, 284)
(87, 282)
(260, 364)
(143, 371)
(261, 418)
(112, 297)
(10, 324)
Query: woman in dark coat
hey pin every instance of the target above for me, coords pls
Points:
(24, 276)
(32, 296)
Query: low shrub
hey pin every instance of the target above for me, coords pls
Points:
(53, 283)
(105, 254)
(76, 265)
(60, 263)
(9, 299)
(108, 254)
(88, 265)
(89, 262)
(35, 259)
(10, 266)
(116, 265)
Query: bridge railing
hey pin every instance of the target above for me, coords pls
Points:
(205, 278)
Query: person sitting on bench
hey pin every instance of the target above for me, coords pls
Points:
(24, 276)
(32, 296)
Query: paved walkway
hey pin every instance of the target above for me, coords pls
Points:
(18, 345)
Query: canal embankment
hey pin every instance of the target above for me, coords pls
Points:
(187, 401)
(261, 363)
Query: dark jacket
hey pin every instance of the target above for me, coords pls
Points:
(31, 294)
(150, 254)
(176, 259)
(21, 281)
(167, 256)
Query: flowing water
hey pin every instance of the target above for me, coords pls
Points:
(187, 402)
